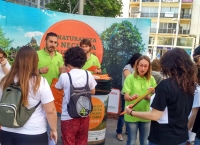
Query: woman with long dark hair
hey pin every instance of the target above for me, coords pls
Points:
(173, 100)
(34, 89)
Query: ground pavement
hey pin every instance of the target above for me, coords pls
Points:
(110, 134)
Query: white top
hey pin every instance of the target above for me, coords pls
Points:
(37, 122)
(2, 74)
(196, 102)
(78, 80)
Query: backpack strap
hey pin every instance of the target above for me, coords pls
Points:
(87, 77)
(37, 105)
(70, 79)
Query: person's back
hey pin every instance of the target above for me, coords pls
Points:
(74, 130)
(179, 105)
(35, 90)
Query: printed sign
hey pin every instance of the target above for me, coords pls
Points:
(113, 101)
(97, 125)
(97, 114)
(71, 32)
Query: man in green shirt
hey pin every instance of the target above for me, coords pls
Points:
(92, 60)
(50, 61)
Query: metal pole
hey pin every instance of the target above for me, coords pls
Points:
(81, 7)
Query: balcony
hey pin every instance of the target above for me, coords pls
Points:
(153, 30)
(185, 16)
(165, 30)
(183, 31)
(134, 0)
(163, 15)
(170, 0)
(187, 1)
(150, 0)
(149, 14)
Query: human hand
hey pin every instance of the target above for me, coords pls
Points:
(151, 88)
(54, 135)
(44, 70)
(128, 109)
(135, 96)
(3, 63)
(148, 97)
(62, 69)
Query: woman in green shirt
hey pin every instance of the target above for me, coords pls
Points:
(136, 85)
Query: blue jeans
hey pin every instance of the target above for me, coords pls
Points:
(120, 122)
(197, 141)
(150, 143)
(133, 127)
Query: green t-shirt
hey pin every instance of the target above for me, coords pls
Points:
(92, 61)
(53, 64)
(138, 86)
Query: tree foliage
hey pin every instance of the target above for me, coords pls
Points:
(120, 41)
(5, 43)
(106, 8)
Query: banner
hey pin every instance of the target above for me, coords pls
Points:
(114, 40)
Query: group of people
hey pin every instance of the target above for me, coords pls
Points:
(34, 72)
(163, 117)
(169, 115)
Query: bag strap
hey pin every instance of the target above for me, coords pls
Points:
(70, 79)
(87, 77)
(37, 105)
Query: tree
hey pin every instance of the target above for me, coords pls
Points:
(5, 43)
(120, 41)
(106, 8)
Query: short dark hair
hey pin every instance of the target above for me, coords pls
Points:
(75, 56)
(3, 52)
(133, 59)
(51, 34)
(86, 42)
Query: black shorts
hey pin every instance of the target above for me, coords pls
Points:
(10, 138)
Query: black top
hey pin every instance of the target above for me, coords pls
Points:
(179, 104)
(196, 126)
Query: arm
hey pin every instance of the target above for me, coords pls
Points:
(93, 91)
(51, 115)
(5, 69)
(192, 117)
(127, 97)
(5, 66)
(126, 73)
(151, 115)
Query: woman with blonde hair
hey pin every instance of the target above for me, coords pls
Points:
(173, 100)
(34, 89)
(136, 85)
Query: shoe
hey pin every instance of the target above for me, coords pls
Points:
(119, 138)
(126, 133)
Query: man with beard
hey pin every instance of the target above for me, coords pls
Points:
(92, 60)
(50, 61)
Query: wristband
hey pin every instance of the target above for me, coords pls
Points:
(131, 112)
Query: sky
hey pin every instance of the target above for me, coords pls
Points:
(21, 23)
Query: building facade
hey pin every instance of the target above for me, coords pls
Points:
(172, 23)
(32, 3)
